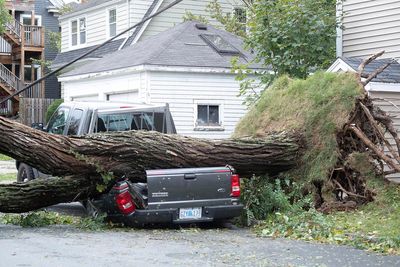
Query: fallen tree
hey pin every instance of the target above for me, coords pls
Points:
(90, 161)
(325, 130)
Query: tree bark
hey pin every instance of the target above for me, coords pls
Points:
(130, 154)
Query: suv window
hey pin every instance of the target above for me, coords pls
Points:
(57, 121)
(75, 121)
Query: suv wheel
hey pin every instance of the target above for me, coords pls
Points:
(25, 173)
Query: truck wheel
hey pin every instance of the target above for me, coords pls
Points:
(25, 173)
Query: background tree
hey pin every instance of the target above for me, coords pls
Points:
(4, 16)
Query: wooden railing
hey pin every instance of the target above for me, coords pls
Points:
(8, 78)
(15, 27)
(34, 35)
(5, 47)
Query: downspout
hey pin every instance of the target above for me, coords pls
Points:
(339, 28)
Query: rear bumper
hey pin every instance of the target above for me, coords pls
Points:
(209, 214)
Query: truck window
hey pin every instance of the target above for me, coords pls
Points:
(74, 122)
(148, 121)
(57, 121)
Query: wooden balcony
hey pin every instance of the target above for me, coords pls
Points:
(30, 38)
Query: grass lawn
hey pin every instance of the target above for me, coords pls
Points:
(8, 177)
(4, 157)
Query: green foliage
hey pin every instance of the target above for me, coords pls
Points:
(373, 227)
(52, 108)
(262, 197)
(65, 9)
(36, 219)
(189, 16)
(106, 176)
(44, 218)
(8, 177)
(54, 40)
(92, 224)
(4, 157)
(230, 21)
(293, 37)
(318, 106)
(4, 16)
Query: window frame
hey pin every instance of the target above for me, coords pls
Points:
(109, 23)
(78, 32)
(220, 104)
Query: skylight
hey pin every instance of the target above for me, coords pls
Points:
(219, 44)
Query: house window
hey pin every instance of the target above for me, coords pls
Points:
(82, 30)
(241, 15)
(112, 22)
(78, 31)
(74, 32)
(219, 44)
(208, 115)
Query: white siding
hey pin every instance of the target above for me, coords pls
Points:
(101, 87)
(390, 103)
(96, 26)
(174, 16)
(183, 90)
(371, 26)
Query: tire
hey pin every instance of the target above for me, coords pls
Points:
(25, 173)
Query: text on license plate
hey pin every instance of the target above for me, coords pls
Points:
(190, 213)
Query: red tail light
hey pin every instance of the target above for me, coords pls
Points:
(125, 202)
(235, 185)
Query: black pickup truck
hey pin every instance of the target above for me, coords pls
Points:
(175, 195)
(187, 195)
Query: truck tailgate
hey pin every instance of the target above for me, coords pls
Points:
(187, 187)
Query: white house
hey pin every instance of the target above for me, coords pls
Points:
(188, 66)
(94, 21)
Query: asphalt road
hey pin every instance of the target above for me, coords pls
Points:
(67, 246)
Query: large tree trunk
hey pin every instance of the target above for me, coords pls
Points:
(87, 159)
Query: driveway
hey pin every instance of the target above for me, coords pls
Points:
(67, 246)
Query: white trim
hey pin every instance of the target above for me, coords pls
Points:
(339, 30)
(338, 65)
(144, 27)
(78, 38)
(38, 17)
(146, 68)
(211, 102)
(85, 11)
(384, 87)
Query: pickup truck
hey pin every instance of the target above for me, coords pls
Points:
(184, 195)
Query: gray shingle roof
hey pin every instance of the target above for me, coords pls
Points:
(389, 75)
(65, 57)
(180, 46)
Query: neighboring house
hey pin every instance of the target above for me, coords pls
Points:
(188, 66)
(370, 27)
(95, 21)
(24, 40)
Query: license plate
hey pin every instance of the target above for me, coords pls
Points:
(190, 213)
